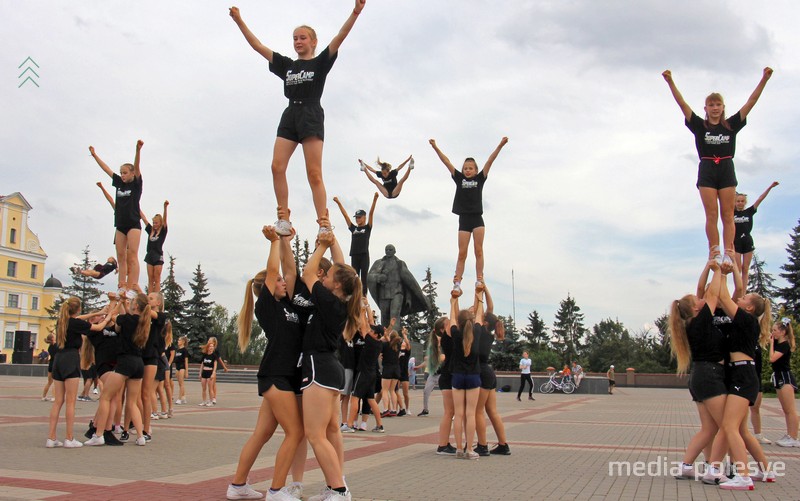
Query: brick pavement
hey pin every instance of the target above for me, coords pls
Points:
(561, 448)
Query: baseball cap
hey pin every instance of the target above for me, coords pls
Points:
(360, 212)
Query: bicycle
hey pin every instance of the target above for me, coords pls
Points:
(554, 384)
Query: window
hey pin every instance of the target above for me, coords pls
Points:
(34, 303)
(12, 269)
(13, 237)
(34, 271)
(13, 300)
(9, 341)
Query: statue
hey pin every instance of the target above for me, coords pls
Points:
(394, 288)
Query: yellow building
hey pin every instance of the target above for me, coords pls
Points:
(24, 293)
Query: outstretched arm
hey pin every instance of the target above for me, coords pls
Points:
(479, 305)
(288, 266)
(738, 282)
(454, 308)
(764, 195)
(713, 294)
(343, 211)
(143, 217)
(333, 47)
(254, 42)
(753, 99)
(442, 157)
(136, 171)
(703, 281)
(274, 259)
(489, 302)
(325, 240)
(493, 156)
(685, 108)
(372, 209)
(107, 195)
(164, 219)
(102, 164)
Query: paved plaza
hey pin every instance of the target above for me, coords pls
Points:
(561, 448)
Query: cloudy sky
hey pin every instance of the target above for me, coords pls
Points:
(593, 196)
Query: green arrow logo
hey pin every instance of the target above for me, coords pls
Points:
(29, 68)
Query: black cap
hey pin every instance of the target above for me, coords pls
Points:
(360, 213)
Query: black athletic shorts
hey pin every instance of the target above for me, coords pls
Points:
(150, 361)
(105, 367)
(364, 386)
(743, 380)
(488, 377)
(302, 119)
(324, 369)
(161, 370)
(283, 383)
(154, 258)
(206, 373)
(468, 222)
(378, 384)
(743, 244)
(391, 372)
(717, 176)
(67, 365)
(130, 366)
(707, 380)
(779, 379)
(125, 229)
(90, 373)
(445, 381)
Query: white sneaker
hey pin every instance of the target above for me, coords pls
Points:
(282, 494)
(213, 401)
(202, 404)
(72, 444)
(344, 427)
(411, 164)
(329, 494)
(52, 444)
(296, 489)
(738, 483)
(456, 287)
(178, 401)
(762, 439)
(687, 473)
(154, 416)
(95, 391)
(130, 294)
(283, 227)
(363, 426)
(786, 441)
(712, 476)
(243, 492)
(361, 168)
(163, 415)
(759, 476)
(95, 440)
(141, 441)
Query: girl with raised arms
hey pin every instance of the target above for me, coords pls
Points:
(743, 241)
(388, 184)
(303, 120)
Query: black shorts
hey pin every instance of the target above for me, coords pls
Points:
(611, 382)
(67, 365)
(445, 381)
(324, 369)
(707, 380)
(403, 376)
(126, 228)
(488, 377)
(391, 372)
(466, 381)
(743, 244)
(717, 176)
(364, 386)
(779, 379)
(206, 373)
(50, 363)
(150, 360)
(468, 222)
(283, 383)
(743, 380)
(390, 186)
(301, 120)
(105, 367)
(378, 384)
(154, 258)
(90, 373)
(160, 372)
(130, 366)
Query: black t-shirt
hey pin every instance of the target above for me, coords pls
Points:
(107, 345)
(181, 354)
(715, 140)
(403, 361)
(52, 350)
(782, 364)
(389, 180)
(347, 354)
(301, 301)
(281, 325)
(486, 342)
(303, 78)
(104, 269)
(706, 341)
(465, 364)
(368, 358)
(76, 327)
(155, 243)
(359, 243)
(326, 323)
(168, 351)
(744, 221)
(155, 341)
(126, 212)
(744, 333)
(469, 193)
(208, 361)
(446, 347)
(391, 358)
(127, 330)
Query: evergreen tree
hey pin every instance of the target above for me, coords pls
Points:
(568, 329)
(662, 347)
(760, 281)
(198, 314)
(229, 340)
(535, 333)
(301, 255)
(173, 301)
(84, 288)
(791, 293)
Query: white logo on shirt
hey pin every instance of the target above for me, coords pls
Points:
(124, 193)
(301, 301)
(298, 78)
(741, 219)
(718, 139)
(291, 316)
(467, 183)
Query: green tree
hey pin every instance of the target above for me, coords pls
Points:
(301, 254)
(608, 343)
(173, 301)
(760, 281)
(568, 330)
(791, 293)
(535, 333)
(198, 314)
(84, 288)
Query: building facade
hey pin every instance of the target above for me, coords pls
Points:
(25, 292)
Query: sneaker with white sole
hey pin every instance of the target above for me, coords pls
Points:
(95, 440)
(242, 492)
(470, 455)
(411, 164)
(687, 472)
(348, 429)
(72, 444)
(712, 476)
(329, 494)
(378, 429)
(362, 426)
(95, 391)
(344, 427)
(760, 476)
(202, 404)
(178, 401)
(786, 441)
(295, 489)
(361, 166)
(141, 441)
(154, 416)
(457, 287)
(762, 439)
(282, 494)
(738, 483)
(283, 227)
(52, 444)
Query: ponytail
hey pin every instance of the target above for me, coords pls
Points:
(763, 312)
(679, 316)
(143, 326)
(252, 288)
(87, 355)
(352, 289)
(168, 333)
(70, 307)
(466, 326)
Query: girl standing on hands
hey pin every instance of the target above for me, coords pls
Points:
(468, 204)
(715, 140)
(743, 241)
(126, 216)
(302, 121)
(359, 242)
(154, 257)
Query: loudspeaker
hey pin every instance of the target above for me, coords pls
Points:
(22, 357)
(22, 341)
